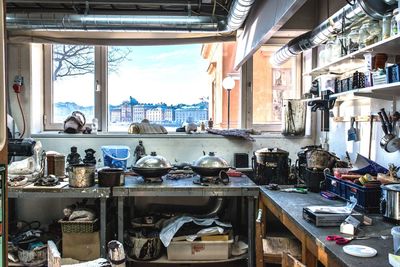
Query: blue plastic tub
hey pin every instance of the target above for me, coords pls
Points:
(116, 156)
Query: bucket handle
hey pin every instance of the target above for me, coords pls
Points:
(111, 156)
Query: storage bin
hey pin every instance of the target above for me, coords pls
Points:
(199, 250)
(78, 226)
(116, 156)
(393, 74)
(368, 199)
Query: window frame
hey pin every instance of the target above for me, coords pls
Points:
(48, 115)
(101, 92)
(247, 93)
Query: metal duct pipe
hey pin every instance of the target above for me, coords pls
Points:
(103, 2)
(331, 26)
(62, 22)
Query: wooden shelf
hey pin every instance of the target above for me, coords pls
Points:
(164, 260)
(389, 46)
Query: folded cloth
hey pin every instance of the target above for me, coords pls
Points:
(26, 166)
(82, 215)
(241, 133)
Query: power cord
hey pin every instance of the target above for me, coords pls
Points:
(17, 87)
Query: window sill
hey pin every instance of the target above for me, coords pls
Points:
(49, 134)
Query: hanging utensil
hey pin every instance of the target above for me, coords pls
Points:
(389, 142)
(352, 132)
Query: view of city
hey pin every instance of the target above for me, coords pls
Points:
(121, 116)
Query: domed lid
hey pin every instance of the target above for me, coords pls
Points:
(153, 161)
(211, 161)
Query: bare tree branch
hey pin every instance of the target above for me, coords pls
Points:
(75, 60)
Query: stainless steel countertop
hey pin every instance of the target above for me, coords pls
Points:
(135, 186)
(65, 192)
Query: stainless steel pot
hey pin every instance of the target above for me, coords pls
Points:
(152, 166)
(81, 175)
(210, 165)
(390, 202)
(319, 159)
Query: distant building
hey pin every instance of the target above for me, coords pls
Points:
(155, 114)
(190, 114)
(168, 114)
(126, 112)
(115, 115)
(138, 113)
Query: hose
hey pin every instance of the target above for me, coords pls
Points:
(23, 116)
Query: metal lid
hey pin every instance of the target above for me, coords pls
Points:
(392, 187)
(266, 151)
(153, 161)
(211, 161)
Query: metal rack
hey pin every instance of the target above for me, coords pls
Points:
(238, 187)
(102, 193)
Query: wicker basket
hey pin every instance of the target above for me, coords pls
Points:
(78, 226)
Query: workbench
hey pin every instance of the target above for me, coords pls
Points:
(102, 193)
(287, 207)
(238, 187)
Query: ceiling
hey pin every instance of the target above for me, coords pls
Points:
(122, 7)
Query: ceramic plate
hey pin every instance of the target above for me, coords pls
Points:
(359, 251)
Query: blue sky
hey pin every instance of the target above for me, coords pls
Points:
(170, 74)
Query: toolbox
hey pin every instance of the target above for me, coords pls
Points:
(368, 199)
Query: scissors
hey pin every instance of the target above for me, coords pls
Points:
(340, 240)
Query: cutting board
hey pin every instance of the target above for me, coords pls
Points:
(61, 185)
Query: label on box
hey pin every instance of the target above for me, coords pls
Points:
(196, 248)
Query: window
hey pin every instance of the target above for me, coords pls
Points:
(166, 85)
(70, 83)
(271, 84)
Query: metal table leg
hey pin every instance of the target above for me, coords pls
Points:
(103, 222)
(120, 219)
(251, 233)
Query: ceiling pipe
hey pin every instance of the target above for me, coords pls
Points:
(137, 23)
(352, 13)
(116, 2)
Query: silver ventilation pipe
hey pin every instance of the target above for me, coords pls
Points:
(352, 13)
(131, 23)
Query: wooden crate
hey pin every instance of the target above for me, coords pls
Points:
(274, 247)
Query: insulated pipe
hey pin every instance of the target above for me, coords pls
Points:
(112, 2)
(140, 23)
(328, 28)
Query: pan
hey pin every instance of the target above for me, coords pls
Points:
(151, 172)
(389, 142)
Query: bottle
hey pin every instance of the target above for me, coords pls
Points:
(353, 40)
(95, 125)
(393, 23)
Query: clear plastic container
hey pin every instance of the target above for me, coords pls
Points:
(375, 32)
(386, 25)
(394, 23)
(353, 40)
(396, 239)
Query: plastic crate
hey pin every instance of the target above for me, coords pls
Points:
(393, 73)
(79, 226)
(199, 250)
(368, 199)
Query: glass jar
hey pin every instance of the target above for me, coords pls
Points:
(328, 48)
(336, 51)
(363, 35)
(375, 32)
(386, 26)
(393, 24)
(353, 40)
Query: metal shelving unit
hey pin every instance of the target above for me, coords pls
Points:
(238, 187)
(102, 193)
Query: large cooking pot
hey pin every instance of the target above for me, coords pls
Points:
(390, 202)
(81, 175)
(111, 177)
(143, 241)
(152, 166)
(319, 159)
(210, 165)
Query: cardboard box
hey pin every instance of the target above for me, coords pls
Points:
(81, 246)
(199, 250)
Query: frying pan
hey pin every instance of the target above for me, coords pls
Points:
(390, 142)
